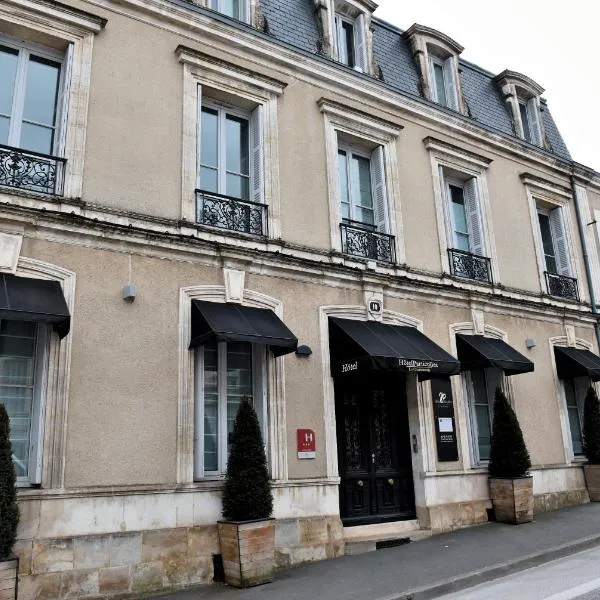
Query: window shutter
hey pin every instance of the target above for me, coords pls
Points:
(559, 241)
(450, 81)
(473, 216)
(64, 102)
(340, 49)
(379, 189)
(533, 116)
(360, 44)
(198, 137)
(256, 155)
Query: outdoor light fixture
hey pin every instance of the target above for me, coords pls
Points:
(304, 351)
(530, 343)
(129, 292)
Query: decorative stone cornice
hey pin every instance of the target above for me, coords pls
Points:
(513, 78)
(425, 34)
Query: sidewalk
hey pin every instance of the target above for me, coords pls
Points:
(440, 564)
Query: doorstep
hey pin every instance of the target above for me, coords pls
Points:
(368, 538)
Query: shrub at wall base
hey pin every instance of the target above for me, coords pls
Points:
(247, 535)
(9, 513)
(591, 444)
(511, 488)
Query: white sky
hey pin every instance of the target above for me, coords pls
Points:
(552, 41)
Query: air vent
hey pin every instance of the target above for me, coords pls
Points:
(391, 543)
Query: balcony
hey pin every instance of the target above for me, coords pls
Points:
(364, 241)
(233, 214)
(31, 171)
(562, 286)
(470, 266)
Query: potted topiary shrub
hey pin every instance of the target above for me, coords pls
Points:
(591, 444)
(511, 488)
(9, 513)
(247, 533)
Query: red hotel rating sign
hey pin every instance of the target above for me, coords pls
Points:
(307, 444)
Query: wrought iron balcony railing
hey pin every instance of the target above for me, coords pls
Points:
(360, 239)
(31, 171)
(470, 266)
(234, 214)
(562, 286)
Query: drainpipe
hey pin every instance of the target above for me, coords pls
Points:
(586, 259)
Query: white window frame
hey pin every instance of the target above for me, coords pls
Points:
(580, 407)
(200, 75)
(449, 75)
(343, 120)
(358, 13)
(533, 114)
(260, 403)
(217, 6)
(450, 181)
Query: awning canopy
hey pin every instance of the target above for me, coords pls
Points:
(236, 323)
(573, 362)
(39, 300)
(479, 352)
(358, 346)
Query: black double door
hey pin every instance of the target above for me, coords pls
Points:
(374, 449)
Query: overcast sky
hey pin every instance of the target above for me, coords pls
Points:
(552, 41)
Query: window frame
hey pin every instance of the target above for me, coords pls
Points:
(449, 92)
(245, 8)
(579, 402)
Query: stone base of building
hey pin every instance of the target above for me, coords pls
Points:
(558, 500)
(150, 561)
(447, 517)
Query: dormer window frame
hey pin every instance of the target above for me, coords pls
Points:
(245, 6)
(448, 81)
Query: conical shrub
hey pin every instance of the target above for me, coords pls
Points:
(509, 456)
(9, 511)
(247, 493)
(591, 427)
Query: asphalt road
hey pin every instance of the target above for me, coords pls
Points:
(576, 577)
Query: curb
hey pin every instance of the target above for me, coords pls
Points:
(467, 580)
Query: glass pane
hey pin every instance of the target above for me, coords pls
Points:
(575, 426)
(347, 42)
(462, 242)
(238, 186)
(211, 409)
(209, 180)
(239, 378)
(343, 177)
(208, 138)
(440, 86)
(37, 138)
(525, 121)
(237, 145)
(41, 92)
(4, 123)
(8, 71)
(570, 393)
(546, 232)
(484, 434)
(362, 170)
(231, 8)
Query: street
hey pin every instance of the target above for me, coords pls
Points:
(576, 577)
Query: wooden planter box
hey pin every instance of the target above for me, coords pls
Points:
(592, 480)
(512, 499)
(248, 550)
(9, 569)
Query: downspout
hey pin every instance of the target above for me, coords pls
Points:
(586, 259)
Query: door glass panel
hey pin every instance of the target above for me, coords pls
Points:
(17, 367)
(440, 85)
(211, 408)
(239, 378)
(4, 123)
(237, 145)
(361, 186)
(573, 415)
(481, 410)
(37, 138)
(8, 71)
(548, 245)
(238, 186)
(41, 91)
(209, 179)
(459, 218)
(209, 147)
(343, 181)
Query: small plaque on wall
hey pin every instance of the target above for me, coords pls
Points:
(307, 444)
(445, 425)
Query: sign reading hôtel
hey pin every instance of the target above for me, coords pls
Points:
(307, 443)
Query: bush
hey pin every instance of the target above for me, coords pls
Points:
(509, 456)
(591, 427)
(9, 511)
(247, 494)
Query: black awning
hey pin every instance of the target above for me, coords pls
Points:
(479, 352)
(39, 300)
(237, 323)
(358, 346)
(573, 362)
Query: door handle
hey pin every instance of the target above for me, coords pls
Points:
(373, 457)
(359, 483)
(391, 481)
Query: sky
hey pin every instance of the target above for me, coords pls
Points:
(551, 41)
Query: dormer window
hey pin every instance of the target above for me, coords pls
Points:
(237, 9)
(443, 80)
(345, 35)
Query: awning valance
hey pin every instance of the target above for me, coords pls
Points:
(358, 346)
(479, 352)
(39, 300)
(574, 362)
(237, 323)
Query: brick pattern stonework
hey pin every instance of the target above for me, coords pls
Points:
(8, 579)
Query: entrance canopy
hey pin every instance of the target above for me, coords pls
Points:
(479, 352)
(237, 323)
(573, 362)
(38, 300)
(360, 346)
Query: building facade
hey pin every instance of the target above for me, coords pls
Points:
(290, 201)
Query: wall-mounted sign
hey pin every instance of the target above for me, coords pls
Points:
(307, 443)
(443, 413)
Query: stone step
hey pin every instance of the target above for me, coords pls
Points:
(369, 538)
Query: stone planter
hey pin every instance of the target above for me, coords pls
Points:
(512, 499)
(248, 550)
(9, 569)
(592, 480)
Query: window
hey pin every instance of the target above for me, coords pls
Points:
(525, 121)
(575, 391)
(443, 80)
(22, 371)
(237, 9)
(530, 120)
(481, 386)
(226, 372)
(350, 41)
(356, 194)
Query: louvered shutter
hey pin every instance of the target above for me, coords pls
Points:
(450, 81)
(559, 241)
(533, 116)
(64, 101)
(379, 189)
(473, 217)
(256, 156)
(360, 44)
